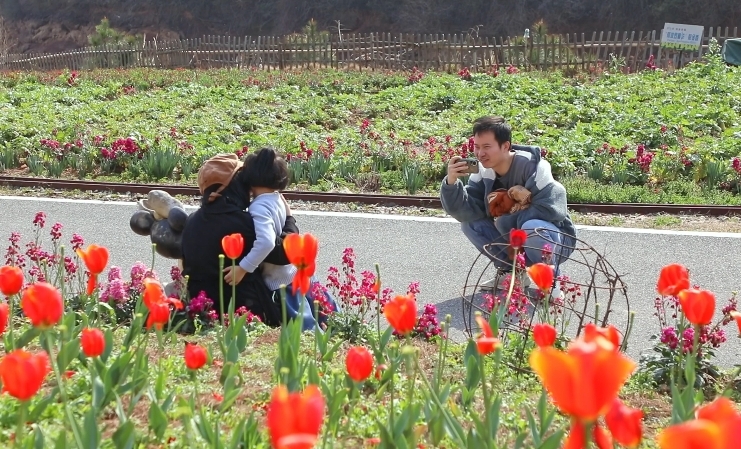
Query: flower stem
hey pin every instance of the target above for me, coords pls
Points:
(62, 390)
(487, 399)
(20, 429)
(221, 291)
(234, 294)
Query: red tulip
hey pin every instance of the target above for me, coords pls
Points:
(42, 303)
(195, 356)
(92, 342)
(233, 245)
(486, 343)
(301, 251)
(22, 373)
(602, 438)
(625, 424)
(159, 315)
(359, 363)
(517, 238)
(673, 279)
(401, 313)
(295, 419)
(96, 259)
(698, 306)
(4, 317)
(542, 275)
(11, 280)
(544, 334)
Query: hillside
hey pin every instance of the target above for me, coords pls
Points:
(49, 26)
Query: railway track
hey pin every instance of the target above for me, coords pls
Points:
(430, 202)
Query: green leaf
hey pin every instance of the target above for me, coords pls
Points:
(61, 442)
(125, 436)
(229, 399)
(38, 438)
(108, 345)
(42, 405)
(204, 428)
(239, 429)
(92, 433)
(327, 356)
(534, 430)
(553, 441)
(99, 393)
(27, 337)
(157, 420)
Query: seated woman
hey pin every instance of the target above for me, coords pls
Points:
(223, 212)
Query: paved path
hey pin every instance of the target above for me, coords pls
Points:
(432, 251)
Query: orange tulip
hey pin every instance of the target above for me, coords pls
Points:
(22, 373)
(542, 275)
(694, 434)
(11, 280)
(295, 419)
(158, 303)
(195, 356)
(96, 259)
(42, 304)
(301, 251)
(717, 426)
(584, 380)
(155, 293)
(517, 238)
(625, 424)
(92, 342)
(233, 245)
(737, 316)
(697, 305)
(544, 334)
(486, 343)
(359, 363)
(401, 313)
(4, 317)
(592, 332)
(673, 279)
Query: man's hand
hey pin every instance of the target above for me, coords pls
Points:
(456, 168)
(519, 194)
(236, 277)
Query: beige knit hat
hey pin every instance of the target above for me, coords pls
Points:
(219, 169)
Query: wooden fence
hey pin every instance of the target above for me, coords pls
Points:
(380, 51)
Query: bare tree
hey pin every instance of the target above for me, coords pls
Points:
(6, 43)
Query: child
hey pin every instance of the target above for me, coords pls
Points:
(265, 175)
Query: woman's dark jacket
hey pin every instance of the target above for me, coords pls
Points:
(201, 245)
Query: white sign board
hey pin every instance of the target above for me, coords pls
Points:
(682, 37)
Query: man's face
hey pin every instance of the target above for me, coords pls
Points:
(488, 150)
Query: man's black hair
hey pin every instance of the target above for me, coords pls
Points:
(496, 125)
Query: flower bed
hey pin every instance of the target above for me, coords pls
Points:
(678, 132)
(96, 360)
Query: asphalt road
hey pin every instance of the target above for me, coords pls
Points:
(433, 252)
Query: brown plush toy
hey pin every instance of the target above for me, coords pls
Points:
(500, 203)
